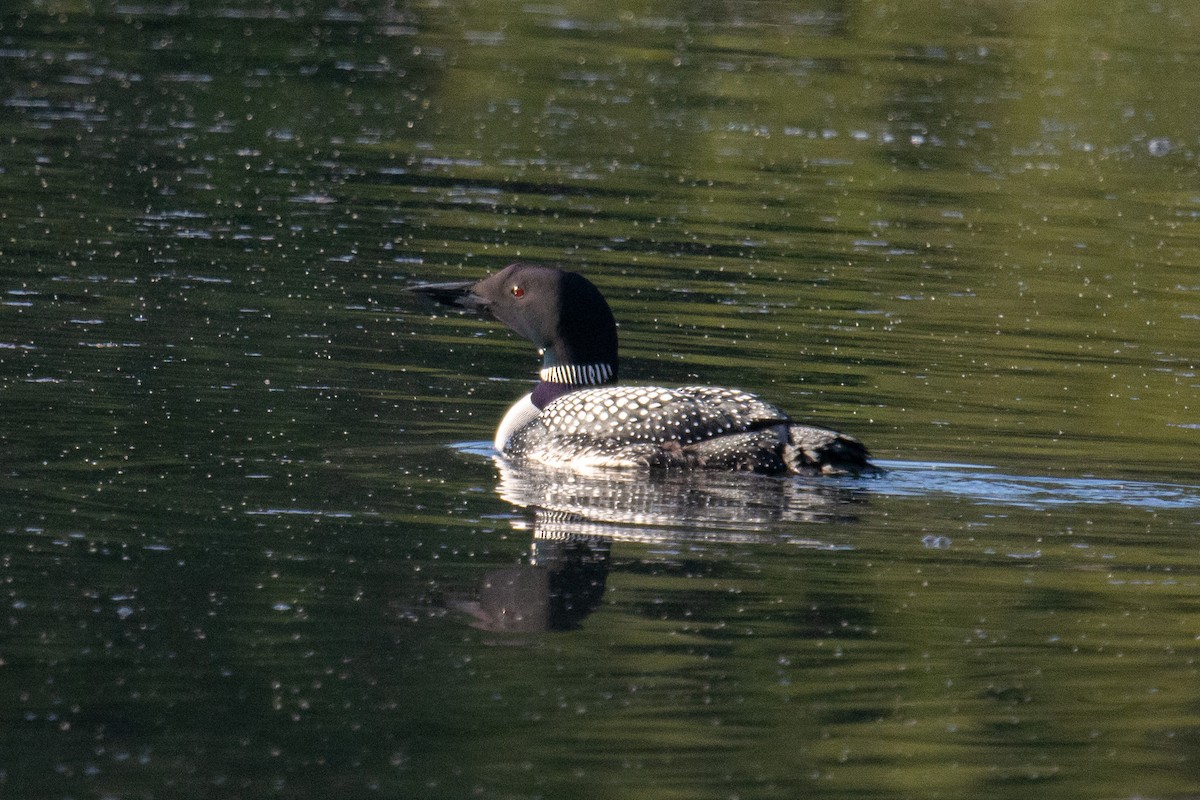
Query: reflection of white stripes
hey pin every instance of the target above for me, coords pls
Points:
(577, 374)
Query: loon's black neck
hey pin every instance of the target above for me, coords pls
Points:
(578, 338)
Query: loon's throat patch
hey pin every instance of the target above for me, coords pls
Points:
(577, 374)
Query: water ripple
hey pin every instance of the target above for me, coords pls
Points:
(983, 484)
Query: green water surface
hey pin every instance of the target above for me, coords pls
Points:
(253, 544)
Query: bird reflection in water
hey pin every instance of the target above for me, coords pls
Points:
(560, 586)
(577, 518)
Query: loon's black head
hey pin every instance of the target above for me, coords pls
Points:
(563, 313)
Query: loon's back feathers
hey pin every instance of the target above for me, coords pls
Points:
(692, 427)
(577, 418)
(655, 414)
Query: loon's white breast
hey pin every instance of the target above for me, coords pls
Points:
(519, 414)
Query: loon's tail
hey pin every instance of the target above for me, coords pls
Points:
(779, 448)
(819, 451)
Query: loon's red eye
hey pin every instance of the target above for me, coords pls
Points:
(518, 292)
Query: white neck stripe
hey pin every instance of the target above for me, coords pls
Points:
(577, 374)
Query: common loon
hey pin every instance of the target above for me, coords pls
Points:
(578, 418)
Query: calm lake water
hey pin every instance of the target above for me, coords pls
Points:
(255, 543)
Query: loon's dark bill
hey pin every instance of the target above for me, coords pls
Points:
(455, 293)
